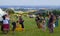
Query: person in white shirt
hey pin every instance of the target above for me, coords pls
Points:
(7, 17)
(5, 24)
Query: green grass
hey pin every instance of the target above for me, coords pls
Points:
(32, 30)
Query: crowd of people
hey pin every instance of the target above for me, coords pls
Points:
(5, 26)
(51, 22)
(42, 22)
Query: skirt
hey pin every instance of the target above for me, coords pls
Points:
(5, 26)
(18, 28)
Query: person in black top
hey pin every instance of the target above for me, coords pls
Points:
(21, 21)
(14, 26)
(39, 20)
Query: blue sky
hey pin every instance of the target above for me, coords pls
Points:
(30, 2)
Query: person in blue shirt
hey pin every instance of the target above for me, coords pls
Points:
(56, 23)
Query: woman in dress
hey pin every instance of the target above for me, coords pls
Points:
(5, 24)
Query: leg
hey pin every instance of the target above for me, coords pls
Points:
(22, 26)
(13, 29)
(51, 29)
(1, 27)
(38, 25)
(43, 28)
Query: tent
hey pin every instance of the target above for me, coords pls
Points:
(1, 14)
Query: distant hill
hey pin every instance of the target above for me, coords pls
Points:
(32, 7)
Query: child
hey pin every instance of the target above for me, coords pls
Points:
(5, 24)
(18, 27)
(14, 26)
(44, 25)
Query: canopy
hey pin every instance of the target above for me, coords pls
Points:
(2, 13)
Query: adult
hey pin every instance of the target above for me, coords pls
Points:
(56, 23)
(5, 24)
(8, 18)
(51, 22)
(39, 21)
(21, 22)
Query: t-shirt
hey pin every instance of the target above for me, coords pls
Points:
(14, 23)
(21, 21)
(51, 20)
(5, 21)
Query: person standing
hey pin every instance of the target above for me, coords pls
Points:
(44, 25)
(56, 23)
(5, 24)
(13, 25)
(50, 23)
(21, 22)
(37, 21)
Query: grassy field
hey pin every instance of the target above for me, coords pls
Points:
(32, 30)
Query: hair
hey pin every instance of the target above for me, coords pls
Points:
(49, 13)
(17, 21)
(20, 17)
(3, 17)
